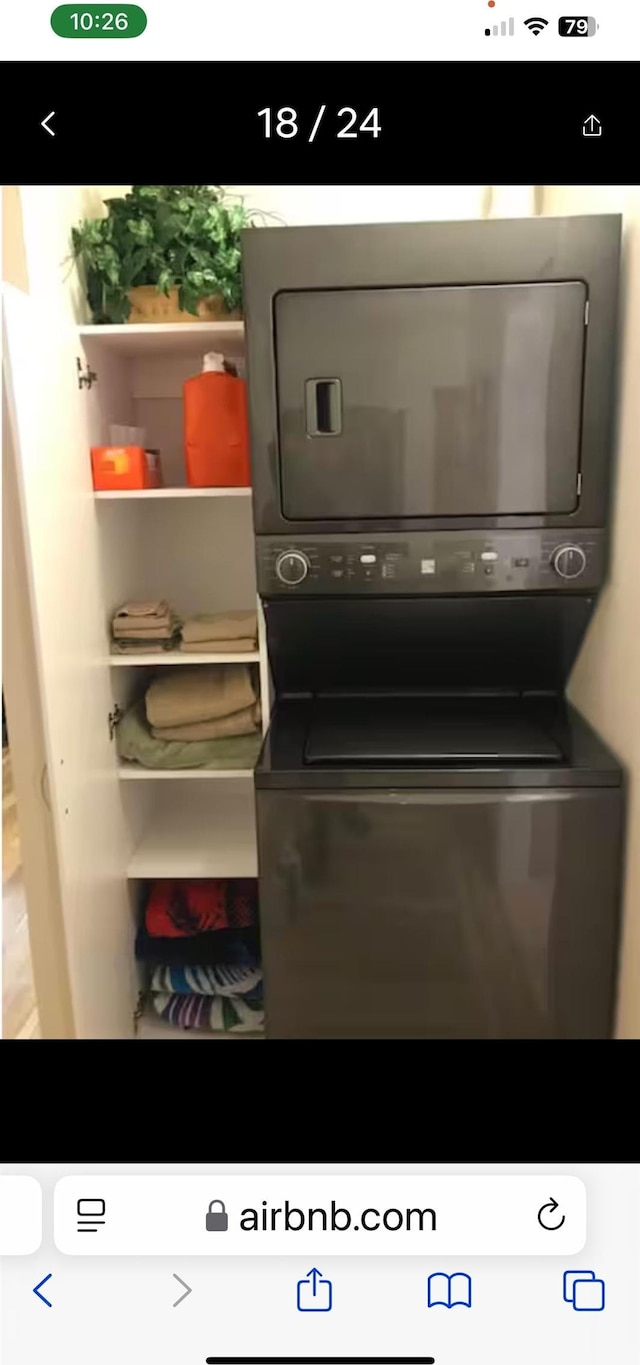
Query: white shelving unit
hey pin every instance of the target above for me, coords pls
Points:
(167, 338)
(167, 658)
(152, 1028)
(118, 825)
(156, 494)
(134, 774)
(198, 838)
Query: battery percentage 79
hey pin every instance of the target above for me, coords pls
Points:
(577, 26)
(346, 122)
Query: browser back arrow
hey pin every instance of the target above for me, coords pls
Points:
(38, 1287)
(45, 123)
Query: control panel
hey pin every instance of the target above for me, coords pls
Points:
(440, 562)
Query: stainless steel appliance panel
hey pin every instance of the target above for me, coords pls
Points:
(430, 402)
(439, 914)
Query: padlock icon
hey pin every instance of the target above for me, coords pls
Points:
(219, 1221)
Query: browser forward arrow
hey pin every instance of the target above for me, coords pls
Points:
(186, 1287)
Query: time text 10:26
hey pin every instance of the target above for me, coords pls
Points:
(346, 122)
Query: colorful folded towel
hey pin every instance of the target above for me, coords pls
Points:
(178, 909)
(225, 626)
(222, 1014)
(190, 695)
(226, 947)
(240, 723)
(221, 980)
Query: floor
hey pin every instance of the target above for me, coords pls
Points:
(19, 1011)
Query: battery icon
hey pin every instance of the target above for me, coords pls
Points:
(577, 26)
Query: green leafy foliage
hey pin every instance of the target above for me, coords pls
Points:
(164, 235)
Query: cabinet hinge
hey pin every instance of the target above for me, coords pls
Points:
(586, 314)
(86, 377)
(114, 717)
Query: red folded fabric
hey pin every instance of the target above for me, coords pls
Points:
(178, 909)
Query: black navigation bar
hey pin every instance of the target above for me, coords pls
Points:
(312, 122)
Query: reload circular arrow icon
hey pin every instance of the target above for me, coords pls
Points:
(548, 1222)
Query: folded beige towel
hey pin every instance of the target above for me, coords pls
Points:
(137, 632)
(138, 609)
(190, 695)
(240, 723)
(124, 645)
(217, 646)
(230, 625)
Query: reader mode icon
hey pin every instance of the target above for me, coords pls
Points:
(583, 1291)
(451, 1291)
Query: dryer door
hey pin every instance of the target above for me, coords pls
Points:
(439, 914)
(430, 402)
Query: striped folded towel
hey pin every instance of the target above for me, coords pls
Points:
(220, 1014)
(199, 980)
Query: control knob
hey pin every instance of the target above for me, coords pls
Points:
(292, 567)
(569, 561)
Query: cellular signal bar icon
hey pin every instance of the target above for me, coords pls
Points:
(500, 30)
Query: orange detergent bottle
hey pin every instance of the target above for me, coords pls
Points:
(216, 428)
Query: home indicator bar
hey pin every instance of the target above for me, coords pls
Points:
(321, 1360)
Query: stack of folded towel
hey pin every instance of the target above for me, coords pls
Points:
(200, 944)
(210, 702)
(225, 633)
(138, 627)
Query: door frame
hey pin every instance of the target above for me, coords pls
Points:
(21, 684)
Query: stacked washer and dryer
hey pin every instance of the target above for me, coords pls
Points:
(439, 831)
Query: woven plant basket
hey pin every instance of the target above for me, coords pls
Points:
(149, 305)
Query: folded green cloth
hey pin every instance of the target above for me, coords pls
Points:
(135, 743)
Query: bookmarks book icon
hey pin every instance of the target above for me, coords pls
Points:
(451, 1291)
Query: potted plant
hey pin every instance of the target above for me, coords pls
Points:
(164, 253)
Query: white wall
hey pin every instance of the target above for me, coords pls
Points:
(605, 684)
(48, 214)
(307, 204)
(297, 205)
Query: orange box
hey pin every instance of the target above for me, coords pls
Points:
(120, 467)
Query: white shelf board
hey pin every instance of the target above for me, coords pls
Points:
(137, 774)
(157, 494)
(175, 657)
(167, 338)
(151, 1026)
(209, 840)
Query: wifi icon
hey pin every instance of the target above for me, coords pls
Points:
(536, 26)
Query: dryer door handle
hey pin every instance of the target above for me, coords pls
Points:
(323, 407)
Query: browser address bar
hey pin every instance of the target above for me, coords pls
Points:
(338, 1215)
